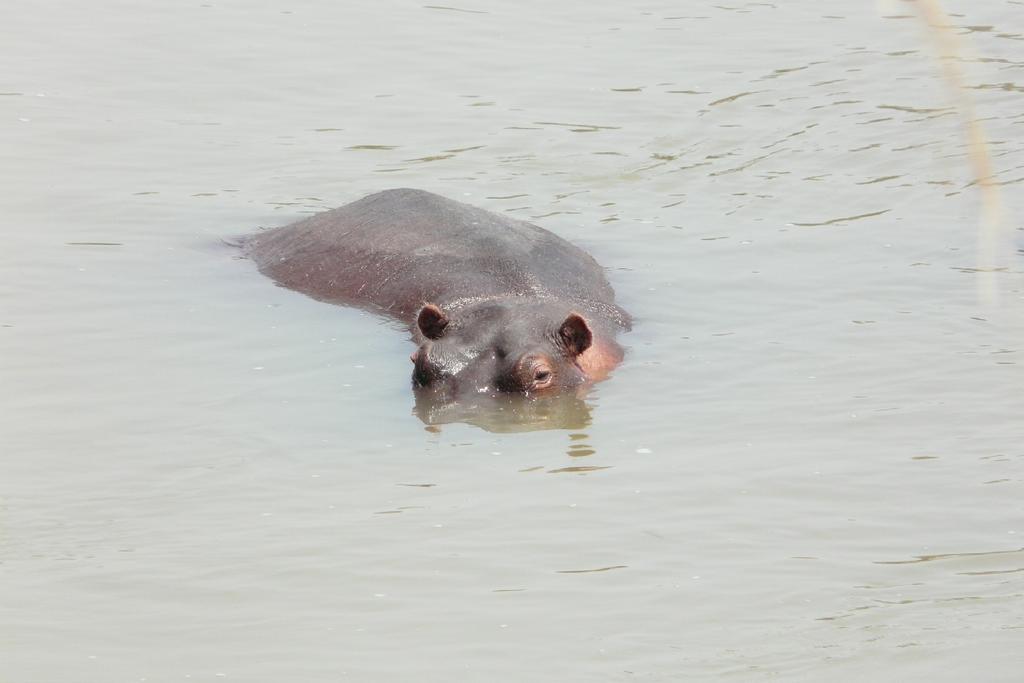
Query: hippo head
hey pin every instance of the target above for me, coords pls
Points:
(513, 347)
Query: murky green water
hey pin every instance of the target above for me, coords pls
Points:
(810, 465)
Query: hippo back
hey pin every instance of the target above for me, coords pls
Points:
(394, 250)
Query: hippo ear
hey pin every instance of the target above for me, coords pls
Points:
(575, 334)
(431, 321)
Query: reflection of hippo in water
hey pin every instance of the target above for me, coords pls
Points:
(495, 304)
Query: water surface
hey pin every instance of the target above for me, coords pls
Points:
(810, 465)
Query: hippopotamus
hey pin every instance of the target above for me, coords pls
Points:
(494, 305)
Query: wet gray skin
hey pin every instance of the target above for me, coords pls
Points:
(468, 374)
(495, 305)
(500, 346)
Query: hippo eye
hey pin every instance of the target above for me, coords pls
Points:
(424, 370)
(533, 372)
